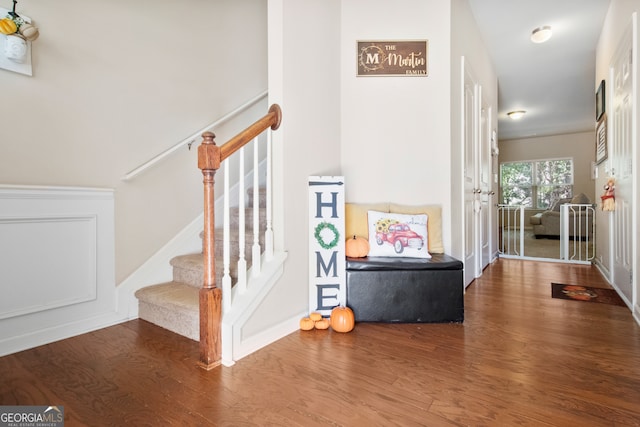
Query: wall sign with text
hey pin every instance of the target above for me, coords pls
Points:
(393, 58)
(327, 265)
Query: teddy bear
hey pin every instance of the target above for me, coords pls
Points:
(609, 198)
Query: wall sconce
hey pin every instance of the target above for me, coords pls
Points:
(16, 34)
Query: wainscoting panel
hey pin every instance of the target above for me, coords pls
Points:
(47, 262)
(57, 268)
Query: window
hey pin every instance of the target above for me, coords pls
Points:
(536, 183)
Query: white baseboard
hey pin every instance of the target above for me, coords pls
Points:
(59, 332)
(266, 337)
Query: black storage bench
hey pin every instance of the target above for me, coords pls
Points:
(406, 290)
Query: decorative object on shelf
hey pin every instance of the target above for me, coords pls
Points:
(16, 34)
(357, 247)
(609, 196)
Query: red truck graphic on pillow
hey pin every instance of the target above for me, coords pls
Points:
(398, 234)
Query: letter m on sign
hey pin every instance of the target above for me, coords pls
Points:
(327, 274)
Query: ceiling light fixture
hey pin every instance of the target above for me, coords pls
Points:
(541, 34)
(515, 115)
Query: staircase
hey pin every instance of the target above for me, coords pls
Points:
(175, 305)
(226, 292)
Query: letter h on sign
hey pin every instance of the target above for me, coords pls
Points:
(327, 274)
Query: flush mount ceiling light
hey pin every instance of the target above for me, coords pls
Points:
(541, 34)
(515, 115)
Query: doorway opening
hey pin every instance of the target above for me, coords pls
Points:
(565, 235)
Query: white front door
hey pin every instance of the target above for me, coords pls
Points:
(621, 123)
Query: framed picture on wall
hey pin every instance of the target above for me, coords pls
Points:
(601, 140)
(600, 107)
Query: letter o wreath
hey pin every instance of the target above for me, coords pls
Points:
(320, 240)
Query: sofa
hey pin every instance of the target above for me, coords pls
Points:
(547, 223)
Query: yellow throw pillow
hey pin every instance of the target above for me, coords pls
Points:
(355, 218)
(434, 225)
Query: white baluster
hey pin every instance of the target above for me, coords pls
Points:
(268, 234)
(242, 262)
(255, 263)
(226, 278)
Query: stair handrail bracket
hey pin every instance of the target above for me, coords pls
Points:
(212, 296)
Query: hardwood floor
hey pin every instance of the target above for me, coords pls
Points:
(520, 358)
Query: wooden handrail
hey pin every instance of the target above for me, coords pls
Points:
(210, 156)
(271, 120)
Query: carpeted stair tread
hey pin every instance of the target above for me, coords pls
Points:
(175, 294)
(173, 306)
(189, 269)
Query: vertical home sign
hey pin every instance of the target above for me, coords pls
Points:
(327, 283)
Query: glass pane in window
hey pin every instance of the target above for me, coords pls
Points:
(517, 173)
(548, 194)
(556, 172)
(520, 196)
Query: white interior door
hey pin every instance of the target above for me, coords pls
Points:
(621, 131)
(471, 188)
(486, 195)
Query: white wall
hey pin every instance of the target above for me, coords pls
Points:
(115, 83)
(395, 130)
(304, 71)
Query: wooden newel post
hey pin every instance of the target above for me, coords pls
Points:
(210, 295)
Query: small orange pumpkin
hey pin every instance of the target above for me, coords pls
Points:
(315, 316)
(306, 324)
(342, 319)
(323, 323)
(356, 247)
